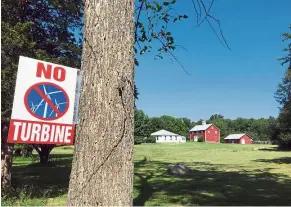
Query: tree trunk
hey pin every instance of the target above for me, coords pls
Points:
(102, 169)
(43, 152)
(43, 158)
(6, 157)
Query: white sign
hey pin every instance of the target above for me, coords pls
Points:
(44, 105)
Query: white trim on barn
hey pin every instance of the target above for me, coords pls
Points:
(164, 136)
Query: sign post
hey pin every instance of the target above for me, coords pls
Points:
(45, 103)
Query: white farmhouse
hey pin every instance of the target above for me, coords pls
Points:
(164, 136)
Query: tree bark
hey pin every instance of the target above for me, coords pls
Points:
(102, 169)
(6, 157)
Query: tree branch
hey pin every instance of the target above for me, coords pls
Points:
(206, 18)
(36, 148)
(175, 58)
(137, 20)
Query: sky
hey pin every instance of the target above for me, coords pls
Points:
(236, 83)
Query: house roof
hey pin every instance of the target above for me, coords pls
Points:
(200, 127)
(234, 136)
(163, 133)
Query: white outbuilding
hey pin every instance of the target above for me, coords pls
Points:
(164, 136)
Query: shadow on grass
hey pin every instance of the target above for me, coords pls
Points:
(207, 185)
(143, 186)
(269, 149)
(281, 160)
(38, 181)
(276, 148)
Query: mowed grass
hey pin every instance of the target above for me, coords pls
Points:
(222, 174)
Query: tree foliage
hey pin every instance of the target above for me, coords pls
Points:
(38, 29)
(44, 30)
(283, 97)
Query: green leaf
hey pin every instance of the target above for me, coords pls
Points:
(136, 62)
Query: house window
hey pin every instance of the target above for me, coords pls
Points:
(176, 137)
(157, 138)
(211, 127)
(215, 132)
(208, 132)
(170, 137)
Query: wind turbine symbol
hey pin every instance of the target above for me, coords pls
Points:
(33, 107)
(46, 104)
(57, 106)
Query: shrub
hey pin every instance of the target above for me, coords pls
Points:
(24, 150)
(200, 139)
(138, 140)
(151, 139)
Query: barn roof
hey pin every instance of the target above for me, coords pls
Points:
(234, 136)
(163, 133)
(200, 127)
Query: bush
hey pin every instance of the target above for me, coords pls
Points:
(17, 152)
(150, 140)
(24, 150)
(138, 140)
(200, 139)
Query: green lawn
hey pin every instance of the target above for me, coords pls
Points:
(222, 174)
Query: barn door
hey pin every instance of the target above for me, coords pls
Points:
(243, 141)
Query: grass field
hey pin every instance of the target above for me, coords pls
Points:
(221, 175)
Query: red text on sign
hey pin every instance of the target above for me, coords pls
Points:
(21, 131)
(59, 73)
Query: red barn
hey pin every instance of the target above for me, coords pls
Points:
(238, 139)
(208, 132)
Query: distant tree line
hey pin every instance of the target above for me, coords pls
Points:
(144, 126)
(262, 129)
